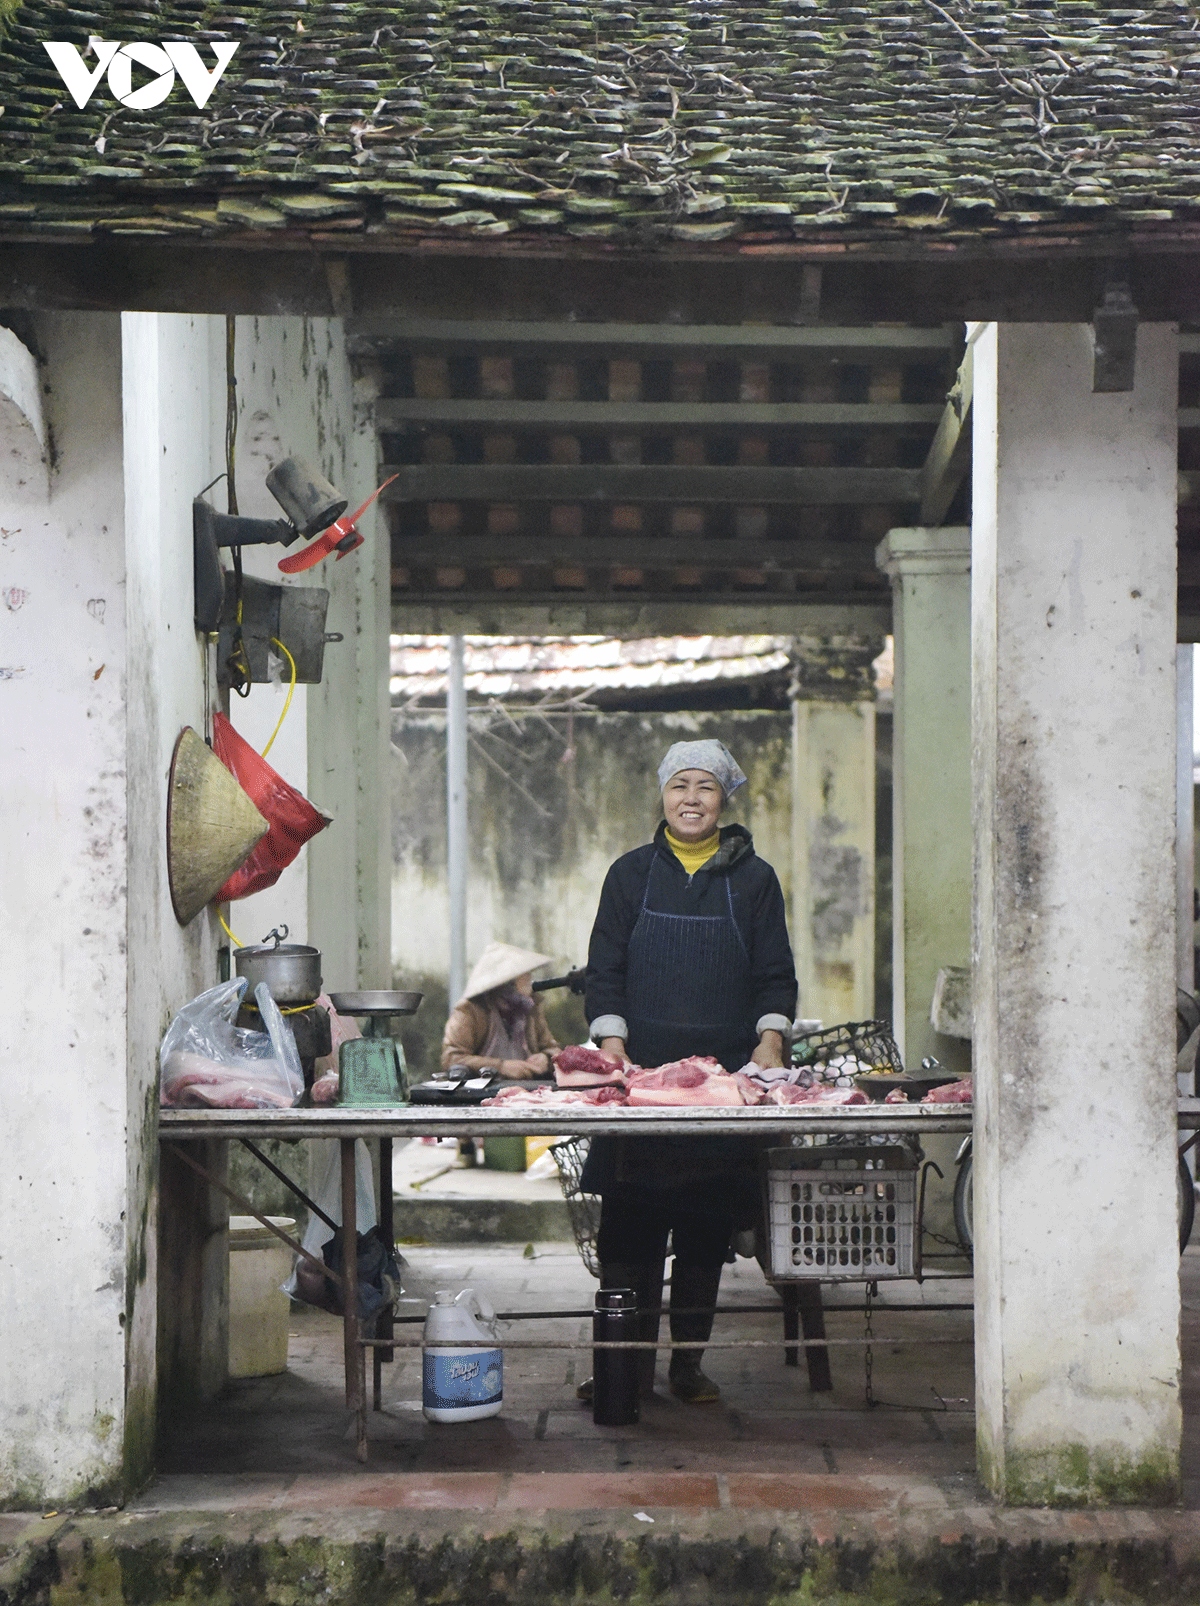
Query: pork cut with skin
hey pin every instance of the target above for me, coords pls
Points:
(698, 1081)
(960, 1092)
(604, 1095)
(540, 1097)
(785, 1093)
(587, 1067)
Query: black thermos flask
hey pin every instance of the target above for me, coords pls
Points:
(615, 1371)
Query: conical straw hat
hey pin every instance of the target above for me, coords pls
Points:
(211, 825)
(500, 962)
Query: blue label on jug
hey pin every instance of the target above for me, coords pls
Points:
(453, 1381)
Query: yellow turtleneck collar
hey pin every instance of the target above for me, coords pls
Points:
(694, 856)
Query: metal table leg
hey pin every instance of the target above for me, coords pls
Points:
(812, 1320)
(355, 1356)
(790, 1296)
(385, 1322)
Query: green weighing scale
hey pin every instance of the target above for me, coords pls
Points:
(371, 1068)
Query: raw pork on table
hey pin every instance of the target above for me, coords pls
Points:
(557, 1098)
(960, 1092)
(698, 1080)
(784, 1093)
(587, 1067)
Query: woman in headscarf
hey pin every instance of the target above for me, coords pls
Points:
(689, 955)
(498, 1024)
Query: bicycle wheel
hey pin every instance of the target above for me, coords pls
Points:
(964, 1212)
(1187, 1204)
(964, 1207)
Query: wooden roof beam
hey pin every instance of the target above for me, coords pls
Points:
(621, 482)
(621, 552)
(375, 336)
(396, 413)
(949, 459)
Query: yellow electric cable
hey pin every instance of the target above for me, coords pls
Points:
(236, 941)
(275, 642)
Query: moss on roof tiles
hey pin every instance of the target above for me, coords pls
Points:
(677, 121)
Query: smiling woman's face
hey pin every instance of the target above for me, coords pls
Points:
(692, 803)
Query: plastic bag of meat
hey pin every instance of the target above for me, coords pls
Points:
(698, 1080)
(960, 1092)
(208, 1062)
(575, 1066)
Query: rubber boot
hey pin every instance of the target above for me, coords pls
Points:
(614, 1276)
(692, 1287)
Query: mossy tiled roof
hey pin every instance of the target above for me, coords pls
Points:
(616, 121)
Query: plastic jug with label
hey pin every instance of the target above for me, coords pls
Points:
(461, 1384)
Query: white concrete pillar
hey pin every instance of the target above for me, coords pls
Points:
(1185, 818)
(63, 907)
(349, 877)
(833, 832)
(1073, 629)
(930, 570)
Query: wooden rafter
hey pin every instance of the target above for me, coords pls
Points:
(619, 552)
(502, 413)
(949, 459)
(738, 341)
(620, 482)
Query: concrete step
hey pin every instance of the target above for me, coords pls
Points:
(659, 1540)
(438, 1200)
(462, 1219)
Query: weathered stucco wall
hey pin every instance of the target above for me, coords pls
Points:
(95, 553)
(296, 396)
(63, 1250)
(171, 447)
(539, 854)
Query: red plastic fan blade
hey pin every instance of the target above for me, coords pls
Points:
(312, 554)
(329, 540)
(358, 512)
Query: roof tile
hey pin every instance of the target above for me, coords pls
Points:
(872, 118)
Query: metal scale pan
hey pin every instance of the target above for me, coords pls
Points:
(376, 1004)
(372, 1070)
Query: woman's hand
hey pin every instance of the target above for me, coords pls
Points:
(613, 1048)
(517, 1070)
(538, 1064)
(769, 1053)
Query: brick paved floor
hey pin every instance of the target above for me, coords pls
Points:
(288, 1440)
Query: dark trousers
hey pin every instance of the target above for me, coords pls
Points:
(634, 1224)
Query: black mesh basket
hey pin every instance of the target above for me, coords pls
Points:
(583, 1208)
(869, 1042)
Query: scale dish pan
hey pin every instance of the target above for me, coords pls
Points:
(376, 1003)
(878, 1084)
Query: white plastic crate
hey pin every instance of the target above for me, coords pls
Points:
(842, 1214)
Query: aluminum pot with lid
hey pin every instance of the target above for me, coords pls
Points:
(292, 970)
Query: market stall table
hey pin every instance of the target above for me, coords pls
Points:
(180, 1126)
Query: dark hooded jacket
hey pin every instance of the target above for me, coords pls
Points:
(735, 880)
(758, 908)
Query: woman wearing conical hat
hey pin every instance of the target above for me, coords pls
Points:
(498, 1024)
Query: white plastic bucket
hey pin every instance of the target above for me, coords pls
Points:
(258, 1308)
(461, 1384)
